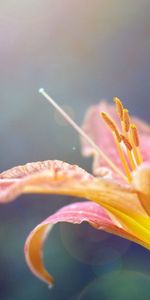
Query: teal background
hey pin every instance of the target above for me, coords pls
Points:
(80, 52)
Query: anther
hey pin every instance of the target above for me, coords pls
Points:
(118, 140)
(135, 136)
(119, 107)
(108, 121)
(117, 134)
(123, 159)
(135, 141)
(111, 124)
(126, 120)
(129, 151)
(126, 142)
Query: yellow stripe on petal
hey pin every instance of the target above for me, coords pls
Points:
(125, 206)
(136, 227)
(122, 198)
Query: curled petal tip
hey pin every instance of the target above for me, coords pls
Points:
(50, 286)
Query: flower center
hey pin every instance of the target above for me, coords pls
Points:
(127, 141)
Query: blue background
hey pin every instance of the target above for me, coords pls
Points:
(80, 52)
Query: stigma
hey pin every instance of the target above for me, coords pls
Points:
(127, 139)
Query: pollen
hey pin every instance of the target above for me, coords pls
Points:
(127, 141)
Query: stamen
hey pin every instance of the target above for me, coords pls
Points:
(122, 158)
(126, 120)
(136, 143)
(111, 124)
(118, 140)
(126, 142)
(119, 108)
(82, 133)
(135, 135)
(129, 137)
(129, 151)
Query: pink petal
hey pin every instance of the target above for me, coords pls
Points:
(101, 135)
(75, 213)
(144, 133)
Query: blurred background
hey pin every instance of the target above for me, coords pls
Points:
(80, 52)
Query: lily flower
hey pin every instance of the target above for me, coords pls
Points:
(118, 195)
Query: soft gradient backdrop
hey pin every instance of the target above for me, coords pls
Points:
(80, 51)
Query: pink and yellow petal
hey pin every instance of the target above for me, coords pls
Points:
(55, 177)
(75, 213)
